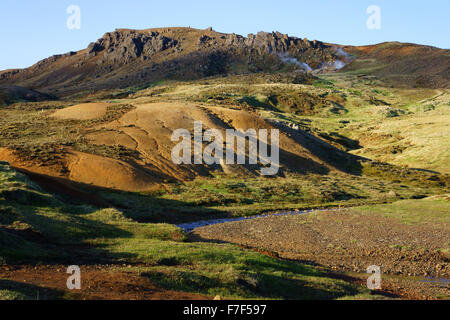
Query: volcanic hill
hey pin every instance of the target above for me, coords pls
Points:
(124, 58)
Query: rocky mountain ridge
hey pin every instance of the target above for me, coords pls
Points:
(129, 57)
(125, 58)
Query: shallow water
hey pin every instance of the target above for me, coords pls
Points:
(441, 281)
(188, 227)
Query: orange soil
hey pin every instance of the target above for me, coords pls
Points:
(91, 170)
(85, 111)
(148, 130)
(98, 282)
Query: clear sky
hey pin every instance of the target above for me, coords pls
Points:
(33, 30)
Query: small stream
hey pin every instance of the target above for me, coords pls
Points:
(188, 227)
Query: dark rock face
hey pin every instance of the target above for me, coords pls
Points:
(124, 47)
(8, 74)
(129, 57)
(94, 47)
(205, 42)
(274, 42)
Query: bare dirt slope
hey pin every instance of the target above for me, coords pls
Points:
(149, 127)
(410, 253)
(344, 241)
(145, 132)
(85, 111)
(88, 169)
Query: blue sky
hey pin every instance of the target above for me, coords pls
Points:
(33, 30)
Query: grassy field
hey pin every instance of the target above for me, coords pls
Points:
(412, 212)
(399, 126)
(402, 133)
(39, 228)
(408, 240)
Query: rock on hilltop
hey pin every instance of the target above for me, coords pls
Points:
(129, 57)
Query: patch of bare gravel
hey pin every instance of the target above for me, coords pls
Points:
(343, 241)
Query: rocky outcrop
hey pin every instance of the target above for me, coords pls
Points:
(124, 47)
(274, 42)
(126, 57)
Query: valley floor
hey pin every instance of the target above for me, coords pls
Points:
(60, 205)
(409, 240)
(331, 250)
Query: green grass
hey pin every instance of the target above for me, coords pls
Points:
(37, 137)
(225, 195)
(248, 196)
(323, 83)
(355, 92)
(160, 250)
(434, 210)
(27, 209)
(407, 127)
(10, 290)
(378, 91)
(228, 271)
(38, 227)
(11, 295)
